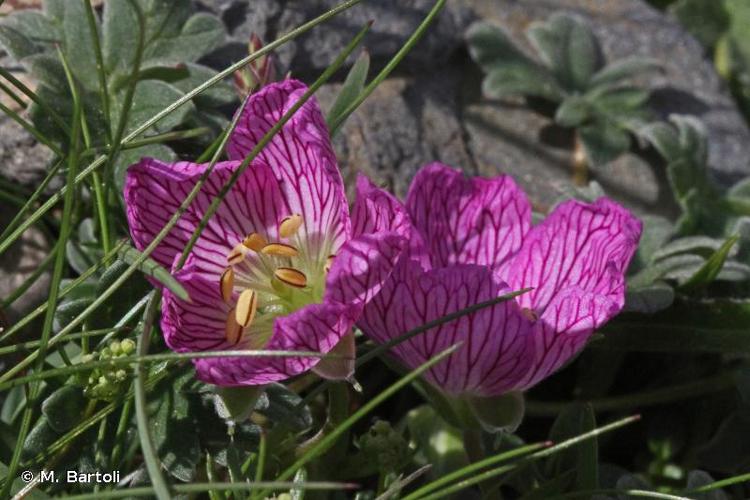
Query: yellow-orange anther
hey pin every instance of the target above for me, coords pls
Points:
(247, 306)
(290, 225)
(292, 277)
(233, 330)
(254, 241)
(226, 284)
(280, 250)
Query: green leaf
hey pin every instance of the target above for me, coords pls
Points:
(77, 45)
(573, 111)
(201, 34)
(18, 485)
(706, 21)
(574, 420)
(129, 157)
(623, 69)
(491, 47)
(173, 427)
(604, 142)
(568, 46)
(151, 268)
(120, 35)
(621, 103)
(436, 442)
(221, 94)
(64, 407)
(521, 79)
(15, 43)
(664, 139)
(299, 478)
(352, 87)
(649, 299)
(701, 245)
(239, 402)
(151, 96)
(710, 270)
(285, 406)
(502, 413)
(688, 326)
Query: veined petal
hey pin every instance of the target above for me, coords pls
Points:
(376, 210)
(362, 266)
(563, 329)
(314, 328)
(495, 354)
(154, 190)
(588, 246)
(468, 220)
(301, 158)
(199, 325)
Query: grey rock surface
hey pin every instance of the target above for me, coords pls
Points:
(19, 262)
(22, 159)
(394, 21)
(406, 123)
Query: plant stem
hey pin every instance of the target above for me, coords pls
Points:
(580, 162)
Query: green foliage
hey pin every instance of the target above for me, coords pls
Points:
(591, 97)
(173, 41)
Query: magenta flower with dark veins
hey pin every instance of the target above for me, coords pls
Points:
(473, 241)
(281, 265)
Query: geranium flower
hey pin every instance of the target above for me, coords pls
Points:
(473, 242)
(281, 265)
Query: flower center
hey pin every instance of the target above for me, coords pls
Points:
(264, 280)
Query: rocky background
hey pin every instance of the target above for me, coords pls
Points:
(431, 108)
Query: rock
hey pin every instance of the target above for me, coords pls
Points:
(510, 136)
(405, 124)
(394, 21)
(19, 262)
(22, 159)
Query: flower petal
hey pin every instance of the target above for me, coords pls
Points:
(301, 157)
(314, 328)
(588, 246)
(563, 329)
(468, 220)
(362, 267)
(199, 325)
(154, 190)
(496, 339)
(377, 210)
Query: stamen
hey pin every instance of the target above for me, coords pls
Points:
(254, 241)
(290, 225)
(237, 255)
(233, 330)
(226, 284)
(247, 306)
(530, 314)
(280, 250)
(329, 263)
(292, 277)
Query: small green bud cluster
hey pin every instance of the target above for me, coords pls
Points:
(384, 446)
(105, 382)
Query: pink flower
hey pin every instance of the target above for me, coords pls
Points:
(472, 242)
(281, 265)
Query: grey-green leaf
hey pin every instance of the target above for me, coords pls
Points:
(201, 34)
(573, 111)
(604, 142)
(623, 69)
(711, 268)
(649, 299)
(568, 46)
(521, 79)
(152, 268)
(352, 87)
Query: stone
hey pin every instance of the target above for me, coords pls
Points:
(18, 263)
(405, 124)
(510, 137)
(23, 160)
(394, 21)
